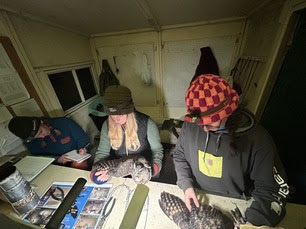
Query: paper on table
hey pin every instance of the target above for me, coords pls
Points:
(31, 166)
(75, 156)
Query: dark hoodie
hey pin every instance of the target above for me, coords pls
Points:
(204, 160)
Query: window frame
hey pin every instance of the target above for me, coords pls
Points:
(73, 69)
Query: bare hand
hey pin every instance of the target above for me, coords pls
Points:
(63, 159)
(189, 197)
(82, 151)
(103, 175)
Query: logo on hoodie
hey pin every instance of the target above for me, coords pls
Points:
(283, 186)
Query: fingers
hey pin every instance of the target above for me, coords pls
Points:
(101, 172)
(102, 175)
(82, 151)
(63, 159)
(188, 204)
(196, 201)
(190, 197)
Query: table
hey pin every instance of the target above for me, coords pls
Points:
(151, 216)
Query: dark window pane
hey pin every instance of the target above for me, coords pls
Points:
(86, 82)
(65, 88)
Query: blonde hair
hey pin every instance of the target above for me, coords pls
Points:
(115, 133)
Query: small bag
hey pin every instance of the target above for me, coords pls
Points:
(107, 77)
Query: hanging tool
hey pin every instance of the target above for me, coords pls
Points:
(117, 70)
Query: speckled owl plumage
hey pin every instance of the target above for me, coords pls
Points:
(138, 167)
(204, 217)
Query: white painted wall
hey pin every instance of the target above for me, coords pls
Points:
(186, 41)
(47, 46)
(42, 47)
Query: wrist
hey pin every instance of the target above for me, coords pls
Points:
(155, 169)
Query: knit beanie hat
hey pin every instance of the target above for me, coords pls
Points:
(24, 126)
(209, 99)
(118, 100)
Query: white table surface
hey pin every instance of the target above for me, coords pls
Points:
(151, 216)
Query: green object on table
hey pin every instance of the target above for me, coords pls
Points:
(133, 212)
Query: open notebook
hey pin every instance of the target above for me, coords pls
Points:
(75, 156)
(31, 166)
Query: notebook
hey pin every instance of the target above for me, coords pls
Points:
(31, 166)
(75, 156)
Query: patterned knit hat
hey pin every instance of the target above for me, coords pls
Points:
(209, 99)
(118, 100)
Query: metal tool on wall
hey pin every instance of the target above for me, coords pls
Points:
(243, 74)
(115, 63)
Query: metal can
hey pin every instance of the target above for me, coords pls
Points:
(17, 190)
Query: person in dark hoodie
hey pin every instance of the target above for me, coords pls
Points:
(222, 151)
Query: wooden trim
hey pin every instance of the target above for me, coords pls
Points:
(12, 54)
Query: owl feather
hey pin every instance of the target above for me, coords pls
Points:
(204, 217)
(138, 167)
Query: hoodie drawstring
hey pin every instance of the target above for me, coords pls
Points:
(218, 142)
(206, 144)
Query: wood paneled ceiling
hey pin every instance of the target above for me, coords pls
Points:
(92, 17)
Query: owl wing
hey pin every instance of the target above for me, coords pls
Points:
(117, 168)
(136, 166)
(208, 217)
(175, 209)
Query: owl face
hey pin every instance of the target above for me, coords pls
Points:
(141, 173)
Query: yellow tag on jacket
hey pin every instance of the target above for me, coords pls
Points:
(210, 165)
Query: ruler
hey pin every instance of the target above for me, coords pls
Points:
(134, 209)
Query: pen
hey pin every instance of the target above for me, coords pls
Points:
(85, 147)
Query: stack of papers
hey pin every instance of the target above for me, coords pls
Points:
(75, 156)
(31, 166)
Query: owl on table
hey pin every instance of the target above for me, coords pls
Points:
(204, 217)
(137, 167)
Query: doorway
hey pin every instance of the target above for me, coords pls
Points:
(285, 113)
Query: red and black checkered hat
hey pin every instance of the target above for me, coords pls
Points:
(209, 99)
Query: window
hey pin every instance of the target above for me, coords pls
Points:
(73, 86)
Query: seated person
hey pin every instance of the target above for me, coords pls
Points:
(51, 137)
(222, 151)
(127, 132)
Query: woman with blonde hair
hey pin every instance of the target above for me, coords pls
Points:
(127, 132)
